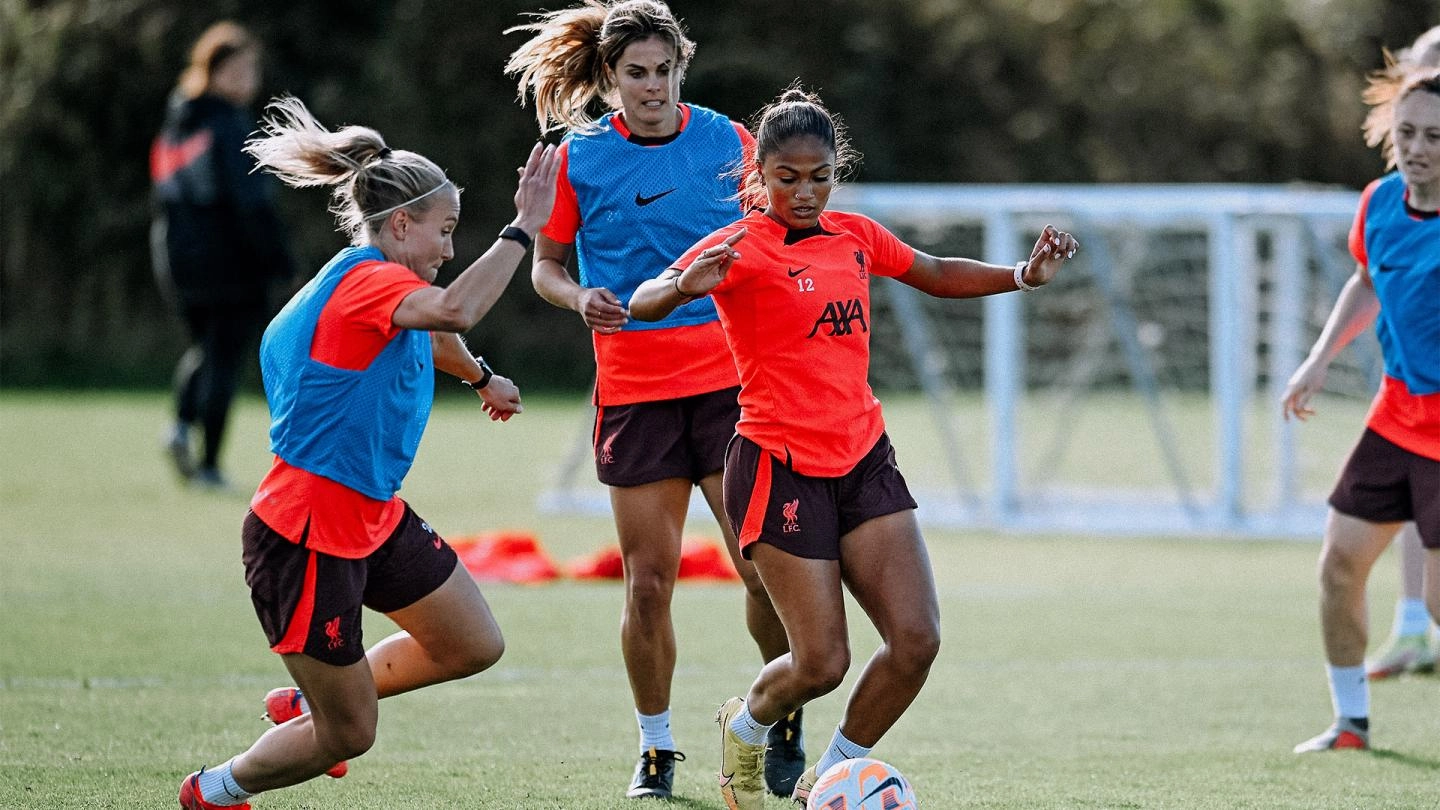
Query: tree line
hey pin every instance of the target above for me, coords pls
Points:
(935, 91)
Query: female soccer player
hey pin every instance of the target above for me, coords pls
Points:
(347, 370)
(637, 188)
(1393, 474)
(1407, 649)
(811, 483)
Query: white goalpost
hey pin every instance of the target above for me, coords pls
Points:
(1156, 360)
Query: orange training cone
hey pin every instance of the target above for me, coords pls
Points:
(505, 556)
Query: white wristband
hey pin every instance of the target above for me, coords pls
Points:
(1020, 277)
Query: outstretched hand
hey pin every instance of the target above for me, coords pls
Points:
(709, 268)
(1051, 251)
(535, 196)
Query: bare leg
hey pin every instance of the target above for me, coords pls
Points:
(340, 725)
(650, 519)
(1432, 583)
(1351, 548)
(886, 567)
(448, 634)
(760, 616)
(882, 558)
(1412, 562)
(808, 598)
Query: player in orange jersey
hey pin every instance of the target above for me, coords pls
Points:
(1393, 473)
(1407, 650)
(812, 487)
(637, 187)
(349, 368)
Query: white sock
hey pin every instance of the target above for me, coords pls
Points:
(839, 749)
(747, 729)
(1349, 691)
(655, 731)
(218, 787)
(1411, 617)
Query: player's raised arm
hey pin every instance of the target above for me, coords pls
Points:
(970, 278)
(658, 297)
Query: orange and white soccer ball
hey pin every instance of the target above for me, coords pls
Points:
(862, 784)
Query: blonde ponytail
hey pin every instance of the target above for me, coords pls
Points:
(371, 180)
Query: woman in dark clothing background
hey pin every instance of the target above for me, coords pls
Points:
(217, 242)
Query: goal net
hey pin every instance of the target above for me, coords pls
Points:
(1139, 392)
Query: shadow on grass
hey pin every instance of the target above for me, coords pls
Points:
(684, 801)
(1405, 759)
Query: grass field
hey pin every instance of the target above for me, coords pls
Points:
(1075, 673)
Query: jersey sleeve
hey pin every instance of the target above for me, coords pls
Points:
(889, 255)
(1357, 228)
(565, 216)
(356, 324)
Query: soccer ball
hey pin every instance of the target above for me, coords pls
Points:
(862, 784)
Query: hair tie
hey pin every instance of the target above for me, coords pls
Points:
(383, 153)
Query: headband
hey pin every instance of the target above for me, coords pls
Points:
(392, 209)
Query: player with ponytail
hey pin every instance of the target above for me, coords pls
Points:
(347, 366)
(812, 487)
(637, 187)
(1393, 474)
(1407, 650)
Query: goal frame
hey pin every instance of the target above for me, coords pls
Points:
(1299, 223)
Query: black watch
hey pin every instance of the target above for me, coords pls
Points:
(514, 234)
(485, 374)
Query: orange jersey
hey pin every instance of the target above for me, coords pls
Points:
(796, 310)
(327, 516)
(653, 364)
(661, 364)
(1410, 420)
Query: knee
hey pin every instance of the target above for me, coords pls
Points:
(478, 652)
(648, 588)
(915, 649)
(481, 656)
(1340, 570)
(347, 739)
(822, 672)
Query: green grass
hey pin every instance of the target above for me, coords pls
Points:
(1075, 673)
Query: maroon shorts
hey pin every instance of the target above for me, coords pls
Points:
(645, 442)
(1384, 483)
(309, 602)
(802, 515)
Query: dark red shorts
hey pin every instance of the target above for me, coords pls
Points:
(309, 602)
(1384, 483)
(647, 442)
(805, 516)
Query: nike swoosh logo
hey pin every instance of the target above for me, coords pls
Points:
(794, 273)
(641, 200)
(891, 782)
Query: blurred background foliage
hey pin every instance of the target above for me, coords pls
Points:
(990, 91)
